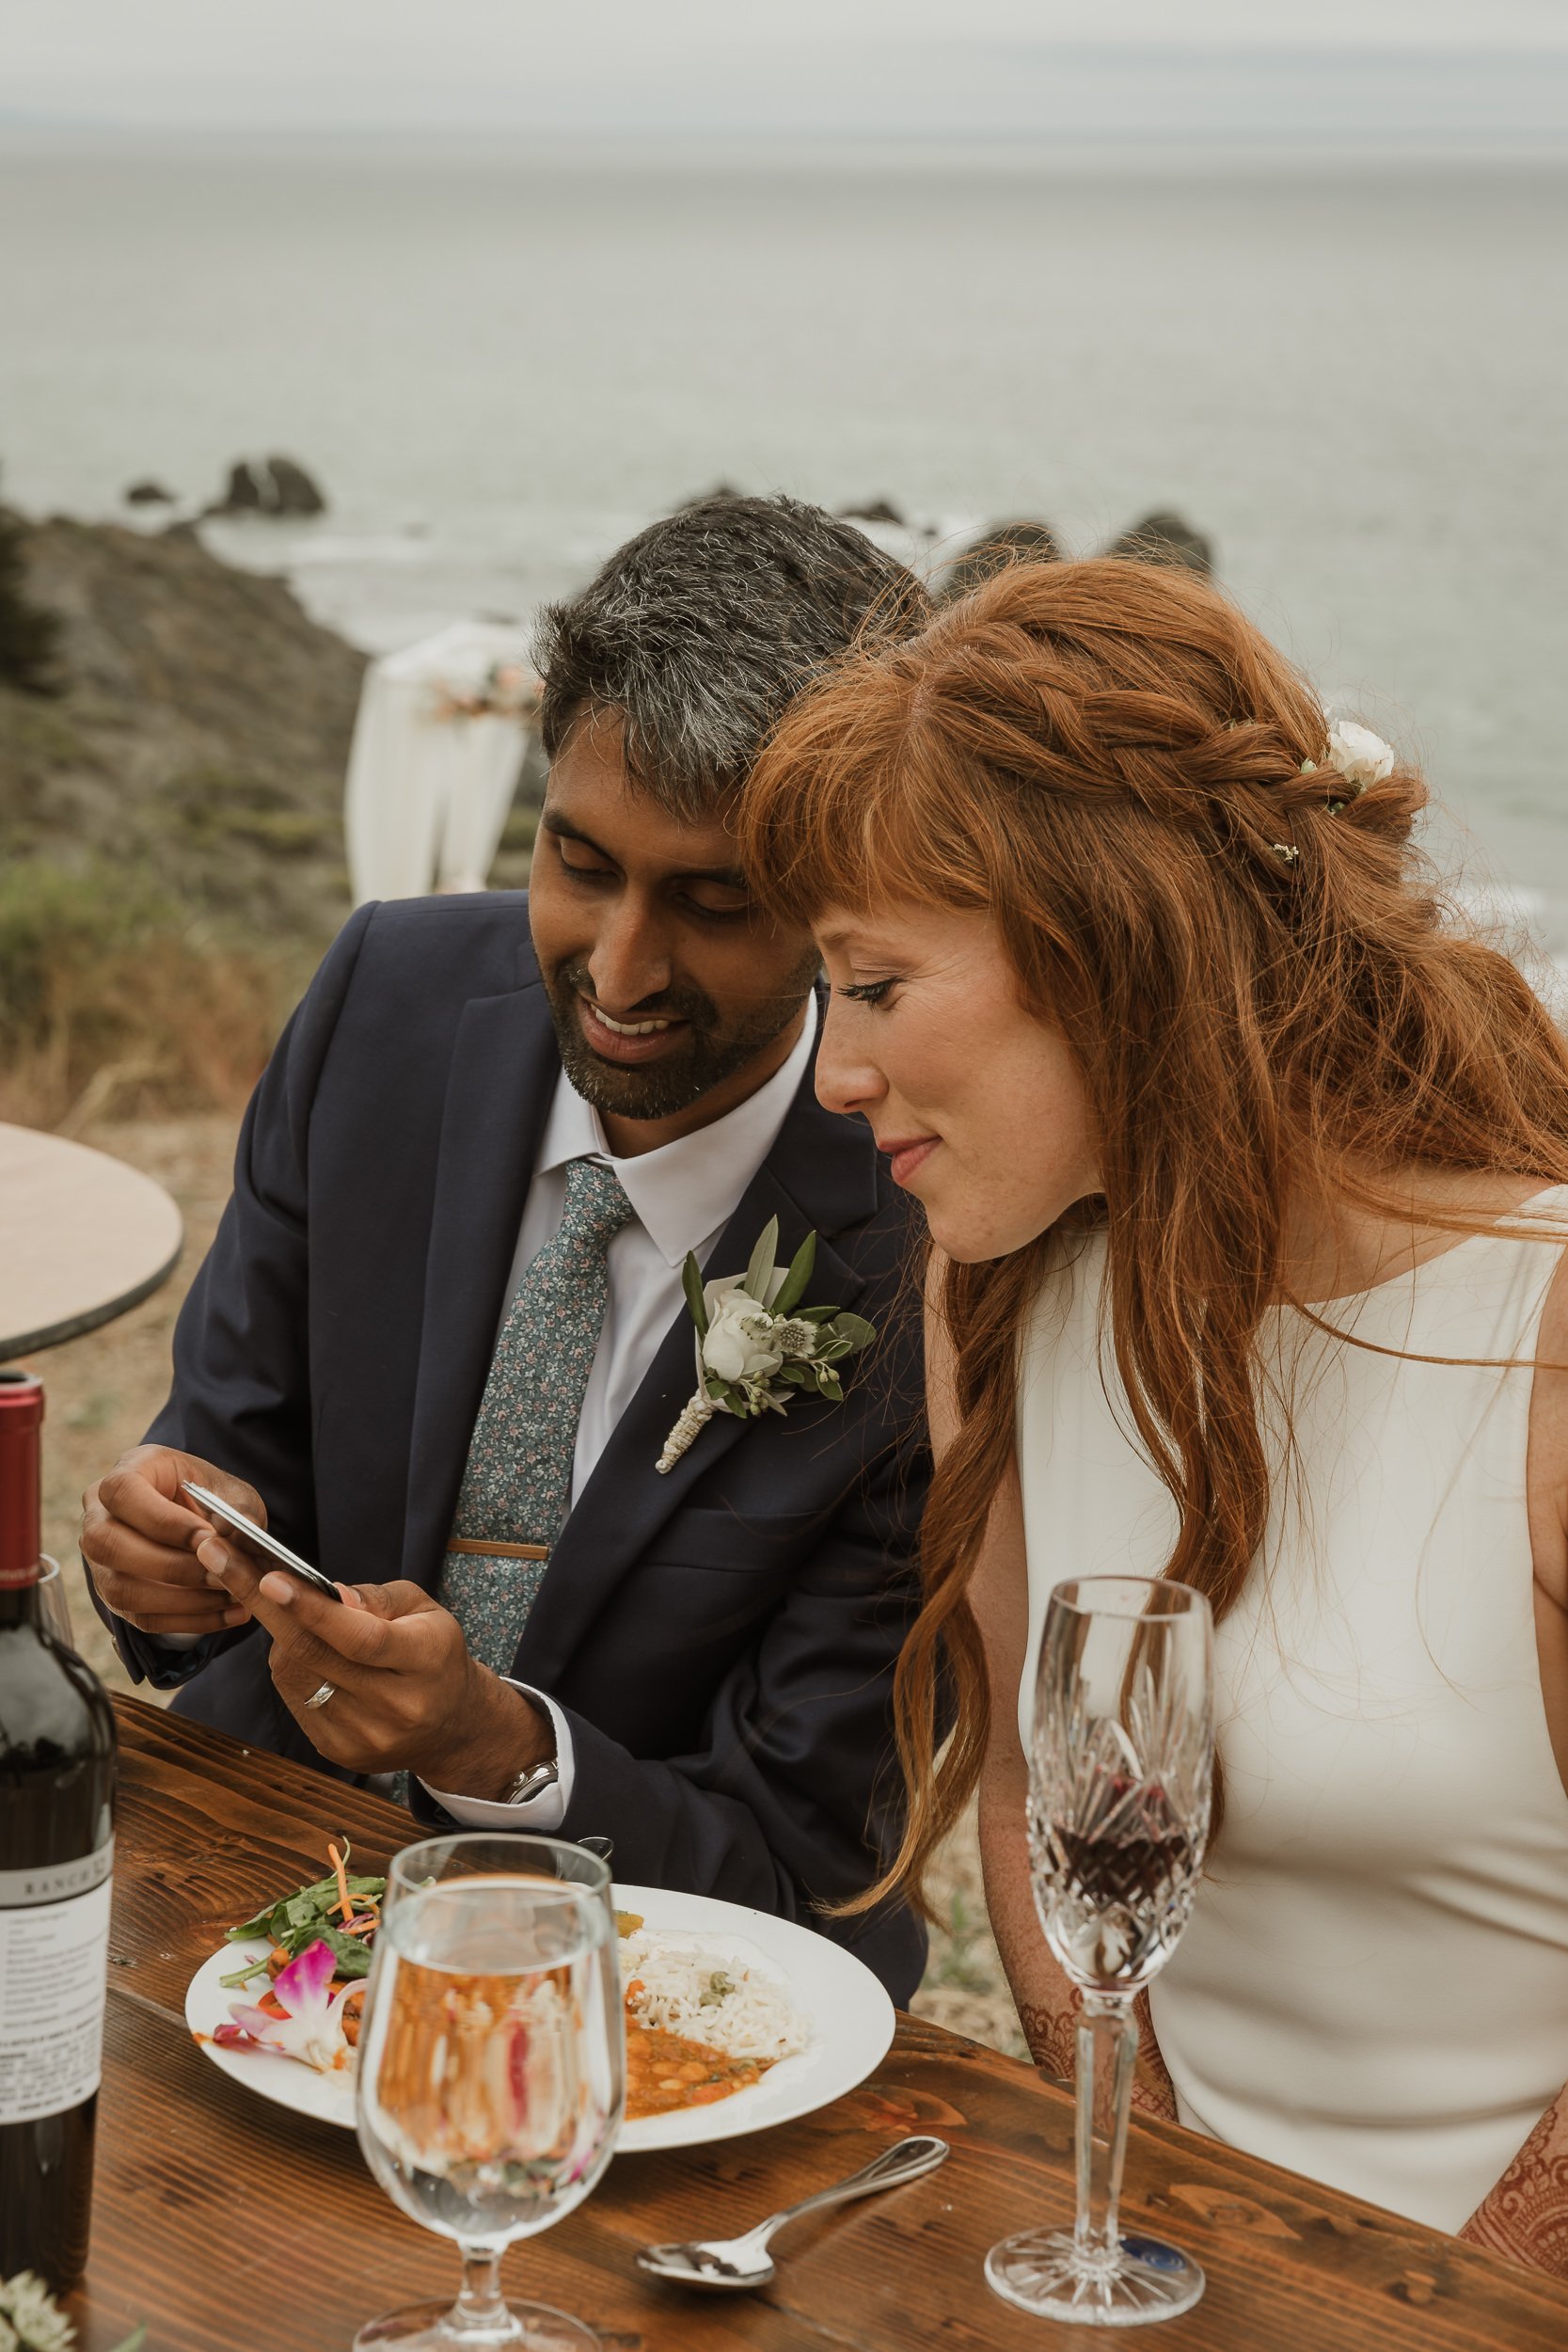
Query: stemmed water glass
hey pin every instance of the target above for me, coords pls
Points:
(1120, 1768)
(492, 2068)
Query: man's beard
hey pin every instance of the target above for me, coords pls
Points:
(711, 1053)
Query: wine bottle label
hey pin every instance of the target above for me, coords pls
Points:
(53, 1969)
(55, 1881)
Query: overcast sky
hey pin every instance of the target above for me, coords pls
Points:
(891, 64)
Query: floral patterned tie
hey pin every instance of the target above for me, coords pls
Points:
(518, 1483)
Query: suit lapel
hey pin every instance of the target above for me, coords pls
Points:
(504, 1068)
(819, 1174)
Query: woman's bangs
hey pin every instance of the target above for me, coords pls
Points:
(851, 807)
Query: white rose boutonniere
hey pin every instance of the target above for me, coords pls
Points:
(757, 1345)
(32, 2321)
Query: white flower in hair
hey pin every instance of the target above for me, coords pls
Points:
(1358, 754)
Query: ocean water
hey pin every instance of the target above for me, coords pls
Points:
(498, 364)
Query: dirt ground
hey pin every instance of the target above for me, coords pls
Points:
(103, 1390)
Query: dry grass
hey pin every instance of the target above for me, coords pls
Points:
(111, 1004)
(104, 1389)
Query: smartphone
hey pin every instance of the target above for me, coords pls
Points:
(267, 1550)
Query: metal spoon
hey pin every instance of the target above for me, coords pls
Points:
(734, 2264)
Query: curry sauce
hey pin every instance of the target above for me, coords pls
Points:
(665, 2072)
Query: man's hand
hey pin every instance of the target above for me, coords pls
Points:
(407, 1693)
(139, 1540)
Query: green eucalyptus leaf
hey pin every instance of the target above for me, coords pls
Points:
(691, 1283)
(855, 1330)
(761, 1267)
(798, 1276)
(815, 1315)
(831, 1388)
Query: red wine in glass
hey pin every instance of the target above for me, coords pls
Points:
(1121, 1760)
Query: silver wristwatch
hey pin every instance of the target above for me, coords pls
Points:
(532, 1782)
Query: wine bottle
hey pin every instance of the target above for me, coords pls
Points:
(57, 1846)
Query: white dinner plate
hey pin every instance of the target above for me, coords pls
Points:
(850, 2015)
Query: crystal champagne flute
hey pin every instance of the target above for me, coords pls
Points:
(492, 2068)
(1120, 1768)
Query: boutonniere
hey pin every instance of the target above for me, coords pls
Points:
(32, 2321)
(757, 1345)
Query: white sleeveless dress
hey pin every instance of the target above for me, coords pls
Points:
(1373, 1986)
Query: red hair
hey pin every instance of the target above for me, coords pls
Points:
(1261, 988)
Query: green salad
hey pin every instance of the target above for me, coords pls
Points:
(339, 1911)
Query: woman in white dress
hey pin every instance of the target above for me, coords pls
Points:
(1246, 1175)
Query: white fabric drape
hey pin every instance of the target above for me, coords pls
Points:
(427, 793)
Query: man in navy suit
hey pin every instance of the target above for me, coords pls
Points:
(440, 1339)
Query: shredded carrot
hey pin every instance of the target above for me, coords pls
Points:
(345, 1902)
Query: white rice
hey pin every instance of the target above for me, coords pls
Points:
(721, 1996)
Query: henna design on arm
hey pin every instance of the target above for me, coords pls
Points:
(1526, 2216)
(1052, 2033)
(1153, 2092)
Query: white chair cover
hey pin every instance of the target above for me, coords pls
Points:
(427, 792)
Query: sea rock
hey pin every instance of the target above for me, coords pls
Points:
(1166, 537)
(243, 495)
(876, 511)
(295, 491)
(269, 485)
(998, 548)
(148, 493)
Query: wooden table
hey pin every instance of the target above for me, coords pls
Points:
(82, 1238)
(231, 2226)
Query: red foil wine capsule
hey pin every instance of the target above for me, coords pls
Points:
(21, 1521)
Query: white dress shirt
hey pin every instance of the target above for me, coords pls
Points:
(682, 1197)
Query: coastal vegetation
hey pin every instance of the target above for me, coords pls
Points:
(29, 633)
(173, 734)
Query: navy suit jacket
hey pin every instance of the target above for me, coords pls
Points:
(722, 1640)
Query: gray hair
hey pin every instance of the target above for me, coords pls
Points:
(699, 633)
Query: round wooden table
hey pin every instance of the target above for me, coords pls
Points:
(82, 1238)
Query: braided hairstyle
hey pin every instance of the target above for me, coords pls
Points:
(1253, 967)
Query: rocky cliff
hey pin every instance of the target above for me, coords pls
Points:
(200, 739)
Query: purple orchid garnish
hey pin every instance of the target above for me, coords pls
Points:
(313, 2028)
